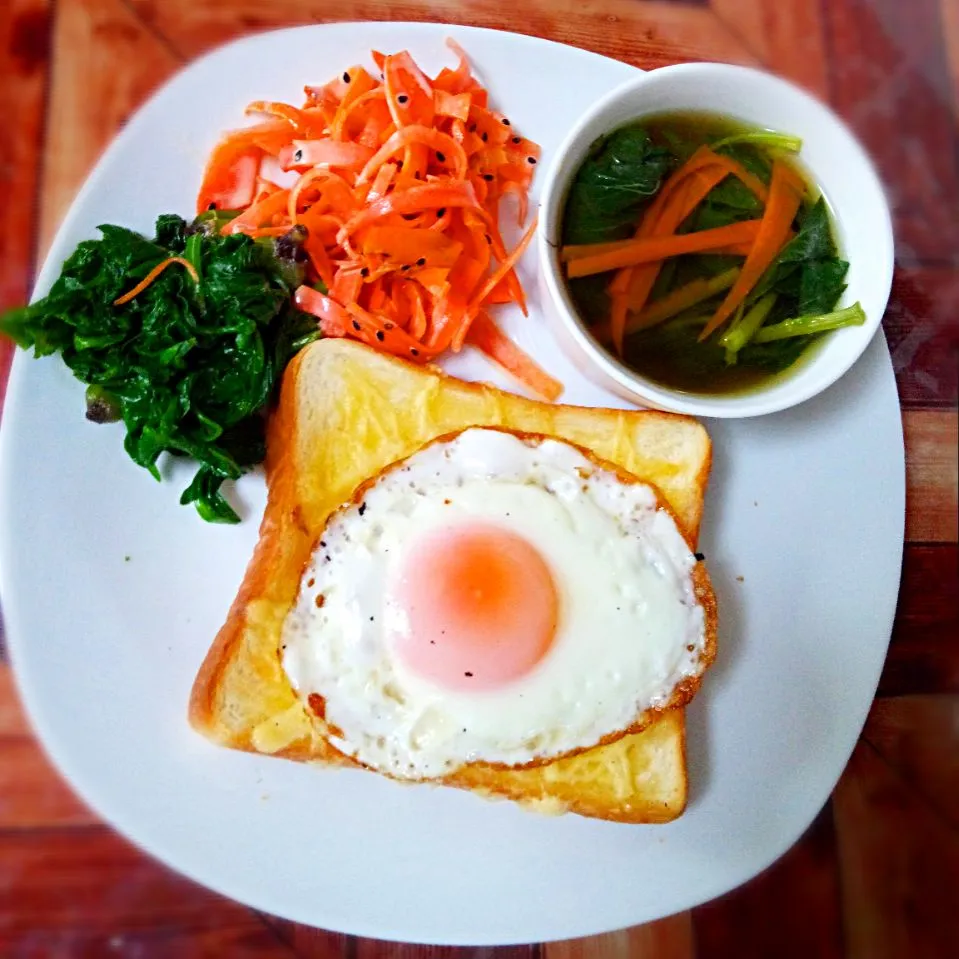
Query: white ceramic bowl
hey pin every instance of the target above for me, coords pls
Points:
(830, 153)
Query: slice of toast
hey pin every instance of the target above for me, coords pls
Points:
(345, 413)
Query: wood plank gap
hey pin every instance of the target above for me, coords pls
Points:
(55, 831)
(911, 786)
(34, 261)
(269, 923)
(155, 31)
(747, 43)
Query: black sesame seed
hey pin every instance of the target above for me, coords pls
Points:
(517, 139)
(405, 267)
(211, 206)
(531, 159)
(468, 674)
(441, 211)
(432, 642)
(356, 326)
(362, 509)
(440, 156)
(505, 122)
(485, 137)
(489, 239)
(346, 78)
(421, 261)
(322, 544)
(365, 271)
(380, 335)
(371, 619)
(402, 98)
(488, 177)
(414, 351)
(297, 156)
(700, 557)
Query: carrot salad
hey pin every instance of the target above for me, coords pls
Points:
(397, 199)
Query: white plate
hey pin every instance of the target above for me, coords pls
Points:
(112, 593)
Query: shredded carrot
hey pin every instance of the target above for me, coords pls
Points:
(154, 273)
(401, 181)
(785, 194)
(487, 337)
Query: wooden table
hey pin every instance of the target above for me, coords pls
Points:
(877, 873)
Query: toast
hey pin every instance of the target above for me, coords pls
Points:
(345, 413)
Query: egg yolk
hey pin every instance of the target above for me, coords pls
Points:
(480, 607)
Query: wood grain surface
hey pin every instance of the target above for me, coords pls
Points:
(876, 874)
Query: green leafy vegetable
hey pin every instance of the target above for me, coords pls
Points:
(809, 269)
(620, 174)
(188, 367)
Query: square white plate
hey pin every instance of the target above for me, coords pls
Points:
(112, 594)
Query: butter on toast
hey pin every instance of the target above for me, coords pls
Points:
(347, 412)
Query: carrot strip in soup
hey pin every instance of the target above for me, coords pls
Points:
(654, 248)
(785, 194)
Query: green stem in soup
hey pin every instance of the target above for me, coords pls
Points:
(762, 138)
(682, 298)
(806, 325)
(744, 328)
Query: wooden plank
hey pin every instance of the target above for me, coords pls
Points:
(787, 37)
(923, 653)
(85, 891)
(893, 99)
(648, 34)
(376, 949)
(949, 11)
(13, 723)
(305, 942)
(24, 63)
(898, 863)
(24, 68)
(922, 328)
(242, 940)
(918, 736)
(670, 938)
(791, 911)
(32, 794)
(91, 97)
(932, 475)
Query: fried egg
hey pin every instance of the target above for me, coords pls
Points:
(495, 598)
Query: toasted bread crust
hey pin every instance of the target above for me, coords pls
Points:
(241, 693)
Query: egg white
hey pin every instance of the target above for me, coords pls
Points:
(631, 627)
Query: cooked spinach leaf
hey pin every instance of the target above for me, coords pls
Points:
(808, 271)
(622, 171)
(189, 367)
